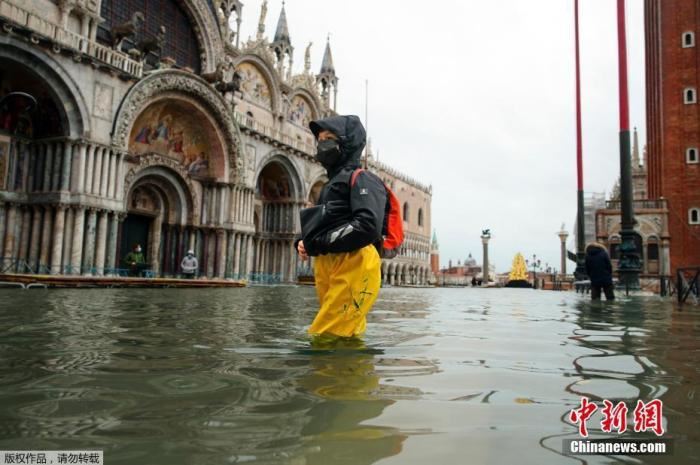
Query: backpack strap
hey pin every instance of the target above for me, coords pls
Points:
(353, 178)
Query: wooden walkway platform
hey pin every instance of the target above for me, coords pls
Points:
(61, 281)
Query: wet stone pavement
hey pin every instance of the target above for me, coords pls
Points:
(446, 376)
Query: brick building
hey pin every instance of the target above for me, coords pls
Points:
(673, 126)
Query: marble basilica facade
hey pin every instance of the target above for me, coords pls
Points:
(203, 148)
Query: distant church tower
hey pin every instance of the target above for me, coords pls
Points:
(435, 255)
(639, 172)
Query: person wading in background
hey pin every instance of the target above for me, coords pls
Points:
(599, 270)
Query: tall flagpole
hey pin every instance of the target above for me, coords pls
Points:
(580, 273)
(367, 121)
(630, 265)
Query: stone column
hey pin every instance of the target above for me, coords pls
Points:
(78, 168)
(89, 168)
(154, 246)
(68, 241)
(78, 236)
(249, 255)
(222, 247)
(111, 259)
(46, 234)
(38, 168)
(35, 241)
(89, 248)
(24, 238)
(9, 236)
(97, 171)
(48, 165)
(3, 208)
(66, 168)
(57, 166)
(101, 243)
(105, 174)
(112, 181)
(485, 241)
(292, 261)
(119, 194)
(230, 254)
(57, 246)
(562, 237)
(238, 238)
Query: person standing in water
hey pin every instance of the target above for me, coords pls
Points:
(599, 270)
(343, 231)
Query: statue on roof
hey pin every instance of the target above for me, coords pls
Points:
(307, 58)
(261, 21)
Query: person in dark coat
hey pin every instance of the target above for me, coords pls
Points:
(342, 229)
(599, 271)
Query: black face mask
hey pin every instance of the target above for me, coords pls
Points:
(328, 153)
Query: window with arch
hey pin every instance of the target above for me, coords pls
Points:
(690, 95)
(694, 216)
(180, 39)
(691, 155)
(688, 39)
(405, 212)
(420, 217)
(652, 251)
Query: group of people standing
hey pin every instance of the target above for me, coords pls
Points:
(135, 262)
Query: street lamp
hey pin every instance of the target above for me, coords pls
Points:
(535, 264)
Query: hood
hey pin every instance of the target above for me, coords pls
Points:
(595, 248)
(351, 137)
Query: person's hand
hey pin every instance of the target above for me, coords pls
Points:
(302, 250)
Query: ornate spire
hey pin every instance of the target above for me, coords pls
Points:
(327, 78)
(435, 245)
(282, 32)
(327, 65)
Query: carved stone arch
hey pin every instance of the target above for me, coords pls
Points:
(647, 226)
(74, 113)
(269, 73)
(297, 184)
(321, 179)
(173, 83)
(183, 188)
(206, 27)
(311, 98)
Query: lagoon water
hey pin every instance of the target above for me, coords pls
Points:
(445, 376)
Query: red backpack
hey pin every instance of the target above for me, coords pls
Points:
(392, 231)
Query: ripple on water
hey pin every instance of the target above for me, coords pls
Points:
(170, 377)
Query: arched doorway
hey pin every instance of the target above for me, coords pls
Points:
(158, 208)
(277, 208)
(37, 143)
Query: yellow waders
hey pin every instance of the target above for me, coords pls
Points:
(347, 284)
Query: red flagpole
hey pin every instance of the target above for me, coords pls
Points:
(579, 137)
(580, 273)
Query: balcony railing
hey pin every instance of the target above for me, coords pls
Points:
(637, 204)
(69, 39)
(275, 134)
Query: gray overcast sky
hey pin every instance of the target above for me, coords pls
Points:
(477, 99)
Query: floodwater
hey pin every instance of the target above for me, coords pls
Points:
(446, 376)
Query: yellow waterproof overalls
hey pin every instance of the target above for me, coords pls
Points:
(347, 284)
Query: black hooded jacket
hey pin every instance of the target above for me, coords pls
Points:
(598, 265)
(345, 218)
